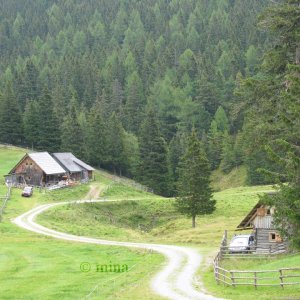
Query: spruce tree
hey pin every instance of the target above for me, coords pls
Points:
(96, 136)
(11, 126)
(31, 120)
(193, 187)
(48, 138)
(115, 144)
(153, 170)
(71, 132)
(273, 120)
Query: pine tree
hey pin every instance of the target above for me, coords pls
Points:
(49, 132)
(273, 120)
(71, 132)
(153, 169)
(32, 119)
(115, 144)
(228, 155)
(195, 194)
(96, 136)
(134, 107)
(11, 126)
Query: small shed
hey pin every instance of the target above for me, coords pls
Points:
(260, 220)
(77, 170)
(37, 169)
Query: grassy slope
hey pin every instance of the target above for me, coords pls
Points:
(120, 221)
(236, 178)
(38, 267)
(25, 257)
(153, 220)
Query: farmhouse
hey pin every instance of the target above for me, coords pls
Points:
(76, 169)
(38, 169)
(267, 238)
(43, 169)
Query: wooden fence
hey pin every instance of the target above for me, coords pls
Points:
(253, 251)
(282, 277)
(5, 199)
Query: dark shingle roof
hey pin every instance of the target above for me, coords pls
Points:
(71, 163)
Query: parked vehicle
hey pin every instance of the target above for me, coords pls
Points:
(241, 243)
(27, 191)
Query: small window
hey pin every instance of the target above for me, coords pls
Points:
(268, 212)
(272, 237)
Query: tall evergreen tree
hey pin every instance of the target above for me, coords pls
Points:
(96, 136)
(49, 129)
(11, 126)
(115, 144)
(194, 192)
(32, 119)
(273, 119)
(71, 132)
(153, 170)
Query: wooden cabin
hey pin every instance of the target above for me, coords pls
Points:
(267, 238)
(76, 169)
(36, 169)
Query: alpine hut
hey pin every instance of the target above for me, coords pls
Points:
(76, 169)
(36, 169)
(260, 220)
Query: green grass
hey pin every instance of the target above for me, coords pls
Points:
(37, 267)
(236, 178)
(263, 292)
(42, 268)
(154, 220)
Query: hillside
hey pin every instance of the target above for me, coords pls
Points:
(138, 216)
(96, 69)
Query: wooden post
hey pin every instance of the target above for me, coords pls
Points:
(281, 278)
(232, 278)
(218, 275)
(255, 280)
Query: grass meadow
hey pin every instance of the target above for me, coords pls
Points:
(38, 267)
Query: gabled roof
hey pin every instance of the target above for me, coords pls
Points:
(246, 223)
(71, 163)
(45, 161)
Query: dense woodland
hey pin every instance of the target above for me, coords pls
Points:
(122, 83)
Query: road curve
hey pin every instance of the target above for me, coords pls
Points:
(174, 281)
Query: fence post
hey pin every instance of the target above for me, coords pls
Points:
(255, 280)
(232, 278)
(281, 278)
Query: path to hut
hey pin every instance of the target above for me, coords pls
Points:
(175, 281)
(94, 192)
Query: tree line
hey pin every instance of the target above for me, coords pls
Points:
(122, 83)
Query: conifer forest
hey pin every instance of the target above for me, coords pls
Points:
(122, 84)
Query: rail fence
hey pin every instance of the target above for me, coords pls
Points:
(4, 199)
(281, 277)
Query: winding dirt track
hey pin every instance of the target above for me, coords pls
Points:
(174, 281)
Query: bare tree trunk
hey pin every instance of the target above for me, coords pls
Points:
(193, 221)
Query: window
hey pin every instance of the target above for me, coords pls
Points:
(272, 237)
(268, 212)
